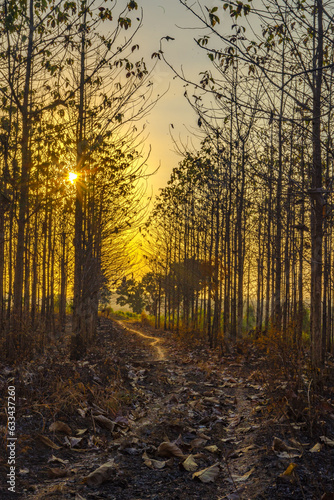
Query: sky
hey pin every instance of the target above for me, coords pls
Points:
(162, 18)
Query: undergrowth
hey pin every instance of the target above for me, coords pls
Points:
(284, 367)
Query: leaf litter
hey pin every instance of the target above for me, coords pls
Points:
(190, 418)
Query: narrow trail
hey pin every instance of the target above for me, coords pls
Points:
(210, 412)
(160, 351)
(188, 426)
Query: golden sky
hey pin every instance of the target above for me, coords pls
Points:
(162, 18)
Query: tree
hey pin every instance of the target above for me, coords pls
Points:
(69, 103)
(131, 293)
(299, 72)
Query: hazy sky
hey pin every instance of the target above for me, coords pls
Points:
(161, 18)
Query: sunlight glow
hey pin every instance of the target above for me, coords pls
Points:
(72, 177)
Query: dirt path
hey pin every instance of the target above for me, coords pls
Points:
(204, 411)
(160, 352)
(177, 405)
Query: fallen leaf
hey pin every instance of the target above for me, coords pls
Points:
(212, 400)
(289, 454)
(289, 470)
(104, 422)
(57, 473)
(81, 432)
(212, 449)
(169, 450)
(241, 451)
(122, 421)
(72, 441)
(230, 380)
(103, 473)
(242, 479)
(60, 427)
(45, 440)
(24, 471)
(316, 448)
(82, 412)
(228, 440)
(208, 475)
(326, 440)
(56, 459)
(296, 443)
(198, 443)
(234, 422)
(282, 450)
(153, 464)
(189, 464)
(203, 436)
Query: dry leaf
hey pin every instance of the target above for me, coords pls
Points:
(212, 400)
(81, 432)
(153, 464)
(289, 454)
(203, 436)
(82, 412)
(297, 444)
(198, 443)
(279, 445)
(316, 448)
(213, 448)
(169, 450)
(60, 427)
(72, 441)
(24, 471)
(57, 473)
(189, 464)
(207, 475)
(289, 470)
(326, 440)
(45, 440)
(242, 479)
(104, 473)
(229, 439)
(56, 459)
(282, 450)
(234, 422)
(104, 422)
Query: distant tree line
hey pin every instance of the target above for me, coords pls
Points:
(248, 218)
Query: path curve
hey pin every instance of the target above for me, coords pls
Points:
(160, 352)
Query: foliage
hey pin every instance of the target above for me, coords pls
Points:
(131, 293)
(105, 296)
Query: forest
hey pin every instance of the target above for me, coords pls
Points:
(234, 289)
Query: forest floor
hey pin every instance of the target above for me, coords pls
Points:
(165, 420)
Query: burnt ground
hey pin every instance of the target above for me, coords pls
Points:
(172, 422)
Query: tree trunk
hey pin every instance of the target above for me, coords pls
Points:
(317, 201)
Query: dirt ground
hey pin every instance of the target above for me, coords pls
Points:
(167, 422)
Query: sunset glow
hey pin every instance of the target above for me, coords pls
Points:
(72, 177)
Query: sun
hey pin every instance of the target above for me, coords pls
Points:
(72, 177)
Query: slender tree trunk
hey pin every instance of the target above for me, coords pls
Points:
(25, 169)
(317, 200)
(78, 342)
